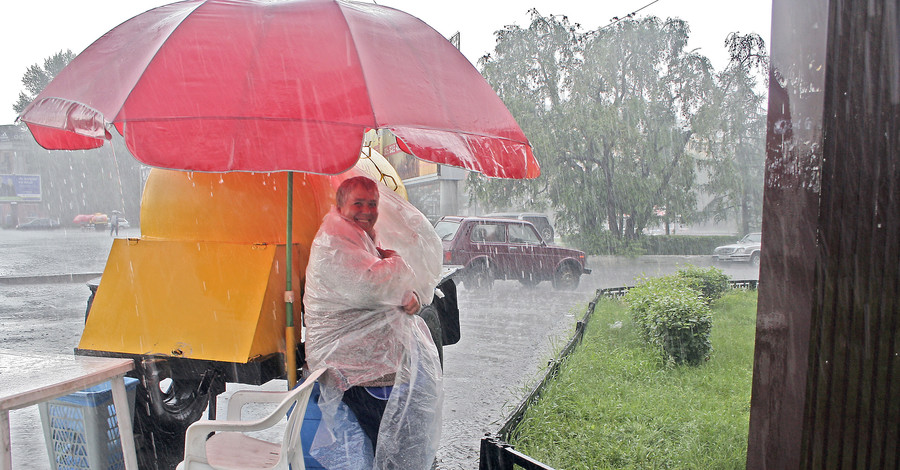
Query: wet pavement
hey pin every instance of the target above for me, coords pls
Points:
(508, 334)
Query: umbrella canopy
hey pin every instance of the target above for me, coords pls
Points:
(254, 85)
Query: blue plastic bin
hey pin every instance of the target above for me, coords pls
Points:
(81, 429)
(308, 430)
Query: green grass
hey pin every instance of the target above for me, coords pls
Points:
(618, 404)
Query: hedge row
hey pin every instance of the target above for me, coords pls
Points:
(605, 244)
(684, 244)
(672, 312)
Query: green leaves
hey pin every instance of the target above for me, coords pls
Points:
(711, 282)
(733, 135)
(37, 77)
(623, 121)
(607, 112)
(673, 316)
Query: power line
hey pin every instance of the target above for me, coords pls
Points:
(616, 19)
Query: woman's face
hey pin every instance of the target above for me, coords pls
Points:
(361, 207)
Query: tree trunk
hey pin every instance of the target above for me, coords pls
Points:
(629, 229)
(745, 211)
(610, 195)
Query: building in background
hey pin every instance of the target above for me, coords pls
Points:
(434, 189)
(20, 188)
(38, 183)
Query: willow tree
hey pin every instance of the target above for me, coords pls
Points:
(609, 114)
(530, 70)
(635, 95)
(734, 146)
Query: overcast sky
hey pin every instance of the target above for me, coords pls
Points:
(32, 30)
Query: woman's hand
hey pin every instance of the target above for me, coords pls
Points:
(385, 253)
(411, 303)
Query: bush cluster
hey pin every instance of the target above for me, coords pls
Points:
(710, 282)
(673, 316)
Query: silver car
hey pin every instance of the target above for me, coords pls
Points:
(747, 249)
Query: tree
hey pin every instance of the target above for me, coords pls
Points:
(37, 77)
(78, 182)
(609, 115)
(529, 69)
(735, 135)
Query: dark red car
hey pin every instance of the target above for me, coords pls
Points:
(496, 248)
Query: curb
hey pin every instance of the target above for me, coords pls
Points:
(49, 279)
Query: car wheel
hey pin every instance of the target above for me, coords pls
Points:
(566, 278)
(480, 277)
(754, 259)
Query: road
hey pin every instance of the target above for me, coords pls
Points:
(508, 334)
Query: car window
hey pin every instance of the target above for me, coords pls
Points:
(446, 229)
(752, 238)
(521, 233)
(537, 221)
(488, 233)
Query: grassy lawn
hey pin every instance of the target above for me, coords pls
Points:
(616, 404)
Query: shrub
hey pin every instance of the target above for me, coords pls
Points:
(673, 317)
(604, 243)
(684, 244)
(710, 282)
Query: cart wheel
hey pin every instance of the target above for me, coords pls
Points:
(168, 399)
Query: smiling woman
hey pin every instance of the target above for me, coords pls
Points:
(357, 200)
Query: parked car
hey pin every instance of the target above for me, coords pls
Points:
(489, 249)
(540, 221)
(747, 249)
(42, 223)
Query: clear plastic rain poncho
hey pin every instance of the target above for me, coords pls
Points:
(357, 329)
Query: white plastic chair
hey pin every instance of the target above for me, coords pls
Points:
(229, 448)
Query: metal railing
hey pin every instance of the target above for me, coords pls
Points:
(495, 452)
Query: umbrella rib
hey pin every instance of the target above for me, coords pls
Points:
(461, 132)
(155, 53)
(359, 61)
(243, 118)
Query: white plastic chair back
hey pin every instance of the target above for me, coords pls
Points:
(229, 448)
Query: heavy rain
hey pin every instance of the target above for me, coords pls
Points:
(618, 151)
(507, 334)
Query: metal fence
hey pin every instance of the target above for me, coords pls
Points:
(496, 453)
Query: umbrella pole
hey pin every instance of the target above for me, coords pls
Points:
(290, 342)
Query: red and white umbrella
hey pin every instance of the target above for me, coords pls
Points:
(254, 85)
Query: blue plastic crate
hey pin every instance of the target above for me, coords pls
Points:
(81, 430)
